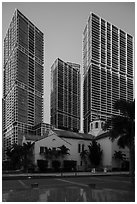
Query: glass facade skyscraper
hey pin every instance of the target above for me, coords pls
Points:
(22, 79)
(65, 95)
(107, 68)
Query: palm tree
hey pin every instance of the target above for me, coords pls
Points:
(47, 153)
(63, 150)
(83, 156)
(21, 155)
(27, 154)
(15, 154)
(119, 156)
(95, 153)
(122, 127)
(54, 153)
(51, 154)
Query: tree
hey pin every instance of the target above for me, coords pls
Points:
(54, 153)
(119, 156)
(84, 155)
(51, 153)
(47, 153)
(20, 155)
(15, 154)
(63, 150)
(27, 154)
(56, 165)
(95, 153)
(122, 127)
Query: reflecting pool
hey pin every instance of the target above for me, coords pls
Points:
(68, 194)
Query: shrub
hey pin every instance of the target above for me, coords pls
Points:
(69, 165)
(56, 165)
(43, 165)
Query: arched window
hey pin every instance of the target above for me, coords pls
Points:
(102, 124)
(96, 125)
(79, 148)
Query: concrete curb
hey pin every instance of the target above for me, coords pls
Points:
(58, 175)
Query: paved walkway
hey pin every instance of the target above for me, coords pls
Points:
(64, 174)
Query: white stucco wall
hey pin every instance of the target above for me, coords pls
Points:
(49, 142)
(109, 149)
(74, 155)
(106, 146)
(115, 147)
(55, 141)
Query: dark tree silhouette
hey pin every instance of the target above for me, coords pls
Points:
(119, 155)
(27, 155)
(122, 127)
(20, 155)
(63, 150)
(95, 153)
(15, 154)
(84, 155)
(51, 153)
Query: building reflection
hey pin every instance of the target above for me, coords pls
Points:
(68, 194)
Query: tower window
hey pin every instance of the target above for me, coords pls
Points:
(102, 124)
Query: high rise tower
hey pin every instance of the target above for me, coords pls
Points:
(65, 95)
(22, 79)
(107, 68)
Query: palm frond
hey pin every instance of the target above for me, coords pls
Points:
(123, 141)
(122, 126)
(127, 109)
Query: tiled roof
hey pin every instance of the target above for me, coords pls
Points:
(106, 134)
(35, 137)
(73, 135)
(61, 133)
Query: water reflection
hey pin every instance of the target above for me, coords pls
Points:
(68, 194)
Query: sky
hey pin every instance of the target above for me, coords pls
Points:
(62, 24)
